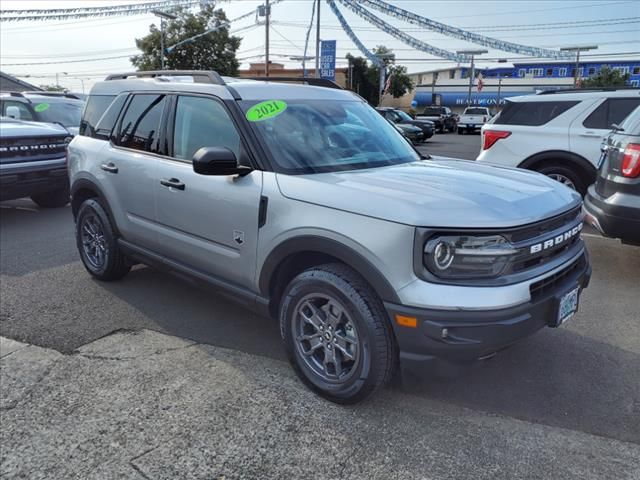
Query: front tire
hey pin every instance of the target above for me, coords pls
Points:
(336, 334)
(97, 243)
(54, 199)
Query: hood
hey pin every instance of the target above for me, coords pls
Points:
(18, 128)
(437, 193)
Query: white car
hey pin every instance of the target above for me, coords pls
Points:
(555, 133)
(472, 119)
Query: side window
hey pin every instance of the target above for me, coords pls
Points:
(25, 113)
(613, 110)
(202, 122)
(105, 125)
(96, 106)
(532, 113)
(140, 124)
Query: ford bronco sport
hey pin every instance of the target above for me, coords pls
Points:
(304, 203)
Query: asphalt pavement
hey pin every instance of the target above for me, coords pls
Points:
(581, 380)
(466, 146)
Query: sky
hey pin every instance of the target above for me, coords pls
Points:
(82, 51)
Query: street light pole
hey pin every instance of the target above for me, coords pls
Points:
(473, 53)
(163, 16)
(266, 40)
(578, 49)
(318, 40)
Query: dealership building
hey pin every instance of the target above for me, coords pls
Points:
(450, 86)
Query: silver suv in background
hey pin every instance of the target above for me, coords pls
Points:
(303, 203)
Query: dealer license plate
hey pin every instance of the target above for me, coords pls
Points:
(568, 305)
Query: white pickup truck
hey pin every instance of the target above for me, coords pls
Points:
(472, 119)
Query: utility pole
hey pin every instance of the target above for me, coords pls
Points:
(266, 40)
(578, 49)
(350, 74)
(163, 16)
(318, 40)
(472, 76)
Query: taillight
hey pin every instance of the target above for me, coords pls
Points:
(631, 161)
(484, 119)
(492, 136)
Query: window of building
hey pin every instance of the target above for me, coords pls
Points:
(202, 122)
(522, 73)
(592, 71)
(635, 83)
(452, 73)
(562, 72)
(622, 70)
(536, 72)
(549, 72)
(636, 70)
(612, 110)
(532, 113)
(140, 125)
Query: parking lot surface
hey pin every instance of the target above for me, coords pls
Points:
(213, 397)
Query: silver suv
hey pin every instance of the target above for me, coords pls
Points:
(304, 203)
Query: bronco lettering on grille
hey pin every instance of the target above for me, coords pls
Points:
(557, 240)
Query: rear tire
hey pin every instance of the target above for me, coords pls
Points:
(97, 243)
(337, 334)
(54, 199)
(565, 175)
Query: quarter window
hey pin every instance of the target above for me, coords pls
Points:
(140, 125)
(532, 113)
(202, 122)
(96, 106)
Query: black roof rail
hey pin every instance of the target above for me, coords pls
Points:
(55, 94)
(199, 76)
(13, 94)
(316, 82)
(585, 90)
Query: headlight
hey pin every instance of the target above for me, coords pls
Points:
(462, 256)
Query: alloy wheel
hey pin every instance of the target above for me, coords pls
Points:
(93, 241)
(558, 177)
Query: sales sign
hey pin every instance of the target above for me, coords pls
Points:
(328, 59)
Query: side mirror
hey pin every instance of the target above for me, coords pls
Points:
(13, 112)
(217, 161)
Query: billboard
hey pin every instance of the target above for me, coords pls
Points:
(328, 59)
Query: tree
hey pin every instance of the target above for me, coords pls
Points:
(401, 83)
(360, 80)
(53, 88)
(213, 51)
(606, 78)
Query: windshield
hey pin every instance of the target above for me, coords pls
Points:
(475, 111)
(313, 136)
(55, 111)
(404, 116)
(433, 111)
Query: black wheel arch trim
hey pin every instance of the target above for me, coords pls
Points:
(86, 184)
(582, 162)
(333, 248)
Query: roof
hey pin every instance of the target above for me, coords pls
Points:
(228, 88)
(585, 95)
(9, 82)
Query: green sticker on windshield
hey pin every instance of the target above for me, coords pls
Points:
(265, 110)
(41, 107)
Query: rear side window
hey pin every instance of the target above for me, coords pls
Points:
(95, 108)
(612, 110)
(140, 126)
(106, 123)
(532, 113)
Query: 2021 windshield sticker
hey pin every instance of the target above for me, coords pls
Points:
(264, 110)
(41, 107)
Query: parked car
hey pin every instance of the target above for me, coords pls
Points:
(556, 133)
(472, 119)
(33, 162)
(367, 253)
(612, 203)
(414, 134)
(399, 117)
(49, 107)
(442, 118)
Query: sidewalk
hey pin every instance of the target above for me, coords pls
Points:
(150, 406)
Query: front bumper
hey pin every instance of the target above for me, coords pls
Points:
(443, 339)
(470, 127)
(618, 220)
(30, 178)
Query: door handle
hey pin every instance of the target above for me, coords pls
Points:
(109, 167)
(172, 183)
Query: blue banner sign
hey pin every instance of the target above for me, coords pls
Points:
(328, 59)
(457, 99)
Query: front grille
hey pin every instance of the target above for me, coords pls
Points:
(550, 283)
(538, 229)
(19, 149)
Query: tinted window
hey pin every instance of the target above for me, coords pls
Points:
(613, 110)
(432, 111)
(202, 122)
(95, 107)
(532, 113)
(106, 123)
(25, 113)
(631, 124)
(140, 125)
(475, 111)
